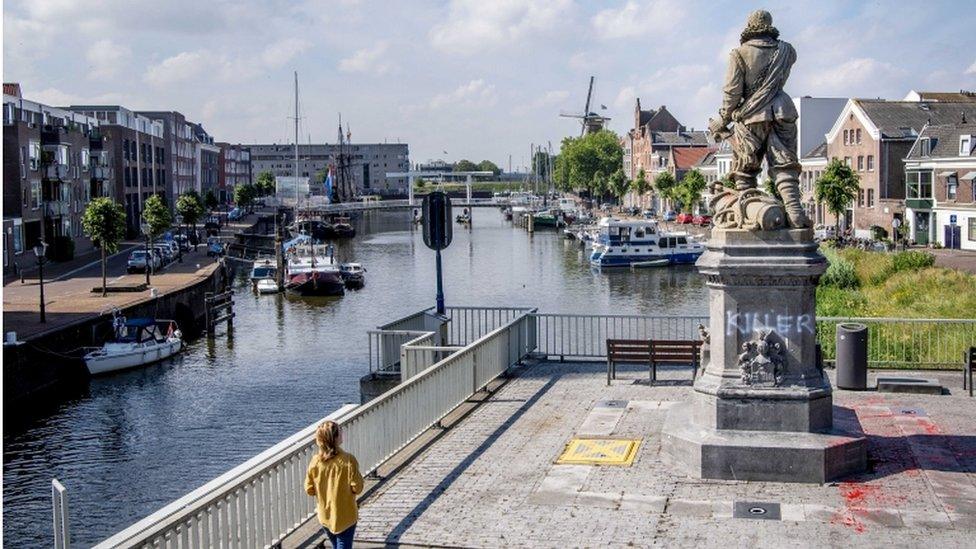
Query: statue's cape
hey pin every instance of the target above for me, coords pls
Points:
(767, 89)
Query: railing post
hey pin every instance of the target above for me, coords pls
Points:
(59, 501)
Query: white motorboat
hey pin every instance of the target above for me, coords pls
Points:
(624, 242)
(266, 286)
(137, 342)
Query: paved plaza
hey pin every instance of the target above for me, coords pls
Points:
(491, 480)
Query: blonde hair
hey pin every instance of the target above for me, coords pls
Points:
(327, 438)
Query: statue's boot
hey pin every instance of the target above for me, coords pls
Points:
(789, 191)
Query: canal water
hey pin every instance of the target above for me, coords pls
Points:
(129, 443)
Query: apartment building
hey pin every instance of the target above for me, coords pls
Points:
(812, 167)
(181, 152)
(234, 169)
(940, 170)
(368, 164)
(873, 137)
(138, 149)
(48, 177)
(206, 161)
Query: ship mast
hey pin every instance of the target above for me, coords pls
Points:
(296, 145)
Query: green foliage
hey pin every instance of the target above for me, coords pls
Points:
(837, 188)
(878, 232)
(912, 261)
(210, 201)
(600, 184)
(265, 184)
(465, 166)
(244, 195)
(771, 189)
(157, 215)
(540, 163)
(832, 301)
(419, 183)
(664, 184)
(104, 223)
(728, 182)
(489, 166)
(580, 159)
(190, 207)
(640, 184)
(689, 191)
(618, 184)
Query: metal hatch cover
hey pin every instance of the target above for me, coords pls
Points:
(599, 451)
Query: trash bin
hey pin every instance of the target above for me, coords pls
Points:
(852, 356)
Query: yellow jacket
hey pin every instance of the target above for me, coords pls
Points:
(334, 483)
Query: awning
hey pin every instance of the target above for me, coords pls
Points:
(969, 176)
(946, 174)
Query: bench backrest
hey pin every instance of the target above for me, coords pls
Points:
(629, 350)
(670, 351)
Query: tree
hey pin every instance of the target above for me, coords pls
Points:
(640, 185)
(580, 158)
(244, 195)
(689, 191)
(618, 185)
(599, 185)
(190, 207)
(837, 188)
(265, 184)
(664, 184)
(489, 166)
(771, 189)
(104, 223)
(465, 166)
(540, 165)
(210, 201)
(419, 183)
(156, 214)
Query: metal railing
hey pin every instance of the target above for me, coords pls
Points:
(906, 342)
(415, 357)
(261, 501)
(585, 336)
(468, 323)
(386, 347)
(59, 503)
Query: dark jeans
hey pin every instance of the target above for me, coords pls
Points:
(342, 540)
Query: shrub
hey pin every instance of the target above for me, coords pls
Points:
(839, 302)
(840, 272)
(878, 232)
(912, 261)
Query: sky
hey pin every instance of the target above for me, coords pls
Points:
(475, 79)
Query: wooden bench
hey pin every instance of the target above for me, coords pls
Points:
(626, 350)
(652, 352)
(969, 364)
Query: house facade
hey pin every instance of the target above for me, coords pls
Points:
(234, 170)
(940, 170)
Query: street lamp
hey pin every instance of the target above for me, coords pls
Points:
(179, 243)
(145, 231)
(40, 251)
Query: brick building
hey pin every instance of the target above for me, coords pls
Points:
(181, 153)
(48, 177)
(873, 136)
(941, 195)
(235, 169)
(368, 163)
(138, 149)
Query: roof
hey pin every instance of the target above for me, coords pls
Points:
(962, 96)
(12, 88)
(686, 158)
(944, 140)
(708, 160)
(905, 119)
(691, 137)
(820, 151)
(646, 116)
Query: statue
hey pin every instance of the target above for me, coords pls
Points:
(763, 126)
(762, 360)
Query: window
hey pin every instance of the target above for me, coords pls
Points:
(925, 146)
(846, 141)
(847, 161)
(860, 163)
(18, 235)
(85, 158)
(35, 198)
(859, 136)
(972, 228)
(870, 198)
(870, 162)
(860, 198)
(919, 184)
(965, 145)
(34, 153)
(952, 185)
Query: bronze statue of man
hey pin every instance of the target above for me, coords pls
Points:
(762, 116)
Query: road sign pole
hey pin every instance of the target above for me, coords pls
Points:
(440, 286)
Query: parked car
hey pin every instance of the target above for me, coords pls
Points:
(670, 216)
(684, 218)
(182, 241)
(137, 262)
(215, 248)
(165, 252)
(702, 220)
(649, 214)
(212, 226)
(235, 214)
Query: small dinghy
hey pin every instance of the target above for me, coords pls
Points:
(137, 342)
(353, 275)
(266, 286)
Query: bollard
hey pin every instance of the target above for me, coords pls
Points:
(11, 338)
(852, 356)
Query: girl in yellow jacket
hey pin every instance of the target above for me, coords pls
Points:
(333, 479)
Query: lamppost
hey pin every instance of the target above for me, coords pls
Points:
(149, 258)
(179, 243)
(40, 250)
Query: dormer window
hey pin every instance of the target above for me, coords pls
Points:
(965, 145)
(925, 146)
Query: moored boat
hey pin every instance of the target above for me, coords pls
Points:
(353, 275)
(624, 242)
(137, 342)
(311, 269)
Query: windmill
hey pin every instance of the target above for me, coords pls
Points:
(590, 121)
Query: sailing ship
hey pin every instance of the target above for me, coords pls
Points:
(311, 269)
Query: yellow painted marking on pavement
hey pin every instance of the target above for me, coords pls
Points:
(600, 451)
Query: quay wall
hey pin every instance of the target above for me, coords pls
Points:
(47, 366)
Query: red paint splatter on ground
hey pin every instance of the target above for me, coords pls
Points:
(848, 520)
(929, 427)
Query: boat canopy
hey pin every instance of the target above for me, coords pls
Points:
(298, 240)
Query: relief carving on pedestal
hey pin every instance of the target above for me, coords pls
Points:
(762, 362)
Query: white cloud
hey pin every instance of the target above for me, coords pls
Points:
(59, 98)
(971, 69)
(472, 26)
(178, 68)
(625, 98)
(638, 19)
(372, 60)
(283, 51)
(853, 77)
(473, 94)
(106, 58)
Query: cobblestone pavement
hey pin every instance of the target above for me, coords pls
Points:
(963, 260)
(491, 480)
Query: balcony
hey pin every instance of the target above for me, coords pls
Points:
(99, 172)
(55, 171)
(57, 208)
(96, 141)
(53, 135)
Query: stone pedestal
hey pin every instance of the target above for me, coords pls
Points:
(762, 407)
